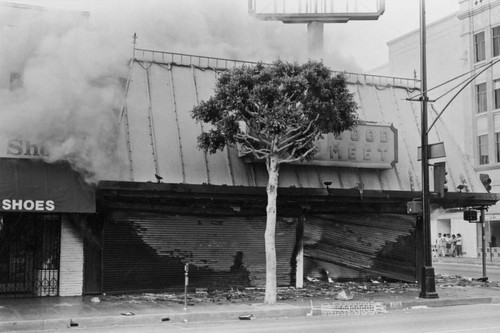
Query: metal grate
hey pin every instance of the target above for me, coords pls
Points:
(29, 255)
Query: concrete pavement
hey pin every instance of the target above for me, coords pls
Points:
(53, 313)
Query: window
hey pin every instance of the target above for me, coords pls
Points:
(497, 147)
(483, 149)
(479, 47)
(481, 97)
(496, 93)
(495, 38)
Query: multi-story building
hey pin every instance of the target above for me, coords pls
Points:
(464, 48)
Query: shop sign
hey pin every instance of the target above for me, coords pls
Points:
(27, 205)
(21, 148)
(369, 145)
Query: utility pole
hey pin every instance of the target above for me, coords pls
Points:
(428, 282)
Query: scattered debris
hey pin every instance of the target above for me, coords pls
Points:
(203, 291)
(313, 289)
(345, 296)
(128, 314)
(246, 317)
(419, 307)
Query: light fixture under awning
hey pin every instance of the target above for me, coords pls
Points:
(38, 187)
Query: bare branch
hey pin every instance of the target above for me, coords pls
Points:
(301, 157)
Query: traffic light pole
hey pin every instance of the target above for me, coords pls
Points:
(427, 283)
(483, 245)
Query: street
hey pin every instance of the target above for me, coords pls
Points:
(468, 318)
(467, 269)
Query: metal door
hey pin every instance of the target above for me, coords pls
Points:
(29, 255)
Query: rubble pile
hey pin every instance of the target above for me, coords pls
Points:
(313, 289)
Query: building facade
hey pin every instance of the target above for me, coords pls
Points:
(462, 55)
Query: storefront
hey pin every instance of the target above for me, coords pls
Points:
(42, 207)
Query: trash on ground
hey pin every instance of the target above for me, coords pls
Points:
(246, 317)
(128, 314)
(345, 295)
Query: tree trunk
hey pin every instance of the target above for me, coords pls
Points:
(270, 246)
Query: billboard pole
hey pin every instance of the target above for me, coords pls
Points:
(427, 283)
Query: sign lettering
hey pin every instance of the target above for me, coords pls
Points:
(21, 148)
(367, 146)
(28, 205)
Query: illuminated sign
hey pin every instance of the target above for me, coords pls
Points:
(27, 205)
(367, 146)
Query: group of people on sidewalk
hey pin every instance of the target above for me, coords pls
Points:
(449, 245)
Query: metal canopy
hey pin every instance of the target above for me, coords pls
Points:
(195, 199)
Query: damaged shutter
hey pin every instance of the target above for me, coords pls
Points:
(147, 251)
(375, 244)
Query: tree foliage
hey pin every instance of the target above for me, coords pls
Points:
(284, 107)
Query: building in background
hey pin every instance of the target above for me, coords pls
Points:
(459, 47)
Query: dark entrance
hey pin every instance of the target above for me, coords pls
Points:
(92, 246)
(29, 254)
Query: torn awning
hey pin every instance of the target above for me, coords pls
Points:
(35, 186)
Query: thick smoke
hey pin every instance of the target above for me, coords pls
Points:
(62, 64)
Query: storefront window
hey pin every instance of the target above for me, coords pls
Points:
(481, 97)
(495, 33)
(483, 149)
(479, 47)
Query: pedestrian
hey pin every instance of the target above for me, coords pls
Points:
(448, 244)
(442, 246)
(453, 245)
(437, 243)
(458, 245)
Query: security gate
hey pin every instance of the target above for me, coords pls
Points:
(29, 254)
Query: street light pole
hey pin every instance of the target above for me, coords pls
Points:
(427, 283)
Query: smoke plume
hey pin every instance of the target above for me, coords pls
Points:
(62, 64)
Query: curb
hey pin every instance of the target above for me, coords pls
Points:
(185, 317)
(139, 319)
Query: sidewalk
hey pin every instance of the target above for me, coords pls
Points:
(52, 313)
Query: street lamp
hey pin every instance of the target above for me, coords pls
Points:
(427, 283)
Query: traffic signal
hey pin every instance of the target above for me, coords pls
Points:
(486, 180)
(440, 180)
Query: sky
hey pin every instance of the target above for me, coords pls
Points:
(69, 54)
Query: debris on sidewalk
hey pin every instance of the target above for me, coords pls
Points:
(345, 296)
(246, 317)
(313, 289)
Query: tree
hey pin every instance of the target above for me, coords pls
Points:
(275, 112)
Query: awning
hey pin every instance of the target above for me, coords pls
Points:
(35, 186)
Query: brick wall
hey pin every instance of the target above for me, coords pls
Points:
(71, 265)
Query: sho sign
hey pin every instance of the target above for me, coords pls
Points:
(27, 205)
(21, 148)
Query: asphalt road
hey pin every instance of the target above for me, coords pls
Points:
(464, 319)
(467, 270)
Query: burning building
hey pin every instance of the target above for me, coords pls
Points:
(344, 213)
(160, 203)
